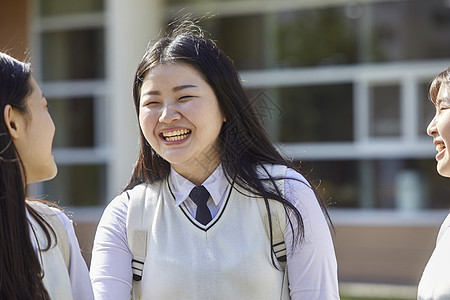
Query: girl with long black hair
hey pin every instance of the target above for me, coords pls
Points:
(212, 210)
(39, 254)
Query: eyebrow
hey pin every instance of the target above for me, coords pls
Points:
(185, 86)
(175, 89)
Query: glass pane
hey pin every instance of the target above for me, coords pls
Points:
(241, 38)
(384, 110)
(74, 121)
(336, 181)
(409, 184)
(436, 186)
(391, 183)
(77, 54)
(55, 7)
(316, 113)
(316, 37)
(408, 30)
(426, 108)
(80, 185)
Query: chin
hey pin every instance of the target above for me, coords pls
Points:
(444, 171)
(50, 174)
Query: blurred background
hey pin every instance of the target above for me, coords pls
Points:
(341, 86)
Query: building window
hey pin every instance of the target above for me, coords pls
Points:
(408, 30)
(69, 58)
(74, 122)
(73, 55)
(58, 7)
(385, 119)
(77, 185)
(316, 113)
(316, 37)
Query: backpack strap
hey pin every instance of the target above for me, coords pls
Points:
(278, 216)
(279, 222)
(277, 212)
(139, 220)
(50, 216)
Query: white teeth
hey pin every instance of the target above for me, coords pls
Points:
(175, 133)
(440, 147)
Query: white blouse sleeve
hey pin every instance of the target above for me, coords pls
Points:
(111, 273)
(78, 271)
(311, 265)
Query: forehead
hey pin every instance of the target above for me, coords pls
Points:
(443, 94)
(173, 72)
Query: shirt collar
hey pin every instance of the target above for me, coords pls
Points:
(216, 184)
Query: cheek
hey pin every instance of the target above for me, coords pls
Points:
(147, 121)
(443, 126)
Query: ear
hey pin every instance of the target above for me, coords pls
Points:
(10, 116)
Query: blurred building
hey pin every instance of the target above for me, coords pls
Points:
(341, 85)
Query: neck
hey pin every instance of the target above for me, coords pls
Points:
(198, 175)
(198, 169)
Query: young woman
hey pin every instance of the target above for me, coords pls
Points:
(39, 253)
(435, 282)
(211, 205)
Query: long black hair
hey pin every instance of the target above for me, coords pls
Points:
(245, 146)
(20, 271)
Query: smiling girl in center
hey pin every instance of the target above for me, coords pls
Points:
(212, 210)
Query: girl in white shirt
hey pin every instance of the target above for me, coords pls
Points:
(39, 253)
(435, 282)
(199, 131)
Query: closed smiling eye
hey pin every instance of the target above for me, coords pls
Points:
(184, 98)
(151, 103)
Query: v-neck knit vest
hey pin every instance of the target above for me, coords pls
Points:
(229, 258)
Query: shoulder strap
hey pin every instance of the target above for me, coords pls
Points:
(58, 227)
(139, 205)
(279, 223)
(277, 214)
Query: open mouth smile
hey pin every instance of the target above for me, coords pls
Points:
(176, 135)
(440, 148)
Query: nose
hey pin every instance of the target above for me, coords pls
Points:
(431, 128)
(169, 114)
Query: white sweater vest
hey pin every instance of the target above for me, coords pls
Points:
(56, 276)
(229, 258)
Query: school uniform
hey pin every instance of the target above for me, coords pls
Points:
(435, 282)
(228, 258)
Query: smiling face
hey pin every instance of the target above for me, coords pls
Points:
(32, 135)
(439, 129)
(180, 118)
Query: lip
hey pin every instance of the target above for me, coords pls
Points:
(440, 147)
(440, 154)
